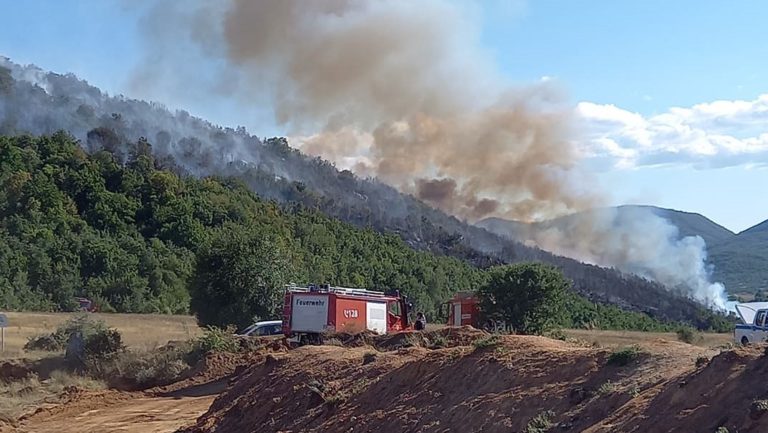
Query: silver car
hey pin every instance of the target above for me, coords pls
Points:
(270, 327)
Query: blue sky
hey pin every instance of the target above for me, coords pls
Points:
(642, 58)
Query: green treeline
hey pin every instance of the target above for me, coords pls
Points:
(137, 238)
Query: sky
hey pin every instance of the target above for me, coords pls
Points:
(671, 97)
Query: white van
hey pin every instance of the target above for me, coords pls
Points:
(754, 329)
(270, 327)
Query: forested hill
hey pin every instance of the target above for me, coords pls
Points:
(129, 236)
(37, 102)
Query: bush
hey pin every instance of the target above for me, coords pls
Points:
(557, 334)
(214, 340)
(686, 335)
(606, 388)
(240, 276)
(540, 423)
(530, 297)
(625, 355)
(82, 324)
(438, 342)
(132, 370)
(48, 343)
(489, 341)
(758, 407)
(103, 344)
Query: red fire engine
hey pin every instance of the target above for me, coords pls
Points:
(309, 312)
(464, 309)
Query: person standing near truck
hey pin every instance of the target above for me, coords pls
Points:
(421, 322)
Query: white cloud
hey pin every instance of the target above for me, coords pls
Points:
(708, 135)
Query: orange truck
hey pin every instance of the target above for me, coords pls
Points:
(464, 309)
(310, 312)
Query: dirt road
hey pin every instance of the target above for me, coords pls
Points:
(143, 414)
(125, 412)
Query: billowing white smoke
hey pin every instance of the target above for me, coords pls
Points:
(635, 240)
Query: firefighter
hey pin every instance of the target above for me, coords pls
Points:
(421, 322)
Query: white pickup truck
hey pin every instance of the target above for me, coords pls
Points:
(754, 329)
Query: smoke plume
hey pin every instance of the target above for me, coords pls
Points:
(404, 92)
(395, 89)
(635, 240)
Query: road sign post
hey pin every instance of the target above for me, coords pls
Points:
(3, 325)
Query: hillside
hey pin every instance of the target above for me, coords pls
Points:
(37, 102)
(688, 224)
(136, 239)
(692, 224)
(740, 261)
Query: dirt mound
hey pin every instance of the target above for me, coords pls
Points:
(214, 367)
(440, 338)
(499, 386)
(728, 392)
(11, 371)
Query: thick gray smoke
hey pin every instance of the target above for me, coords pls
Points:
(402, 91)
(395, 89)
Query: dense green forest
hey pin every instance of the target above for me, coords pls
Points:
(127, 233)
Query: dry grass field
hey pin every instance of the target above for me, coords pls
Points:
(626, 338)
(141, 331)
(145, 331)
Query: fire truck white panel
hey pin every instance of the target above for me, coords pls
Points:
(309, 313)
(376, 314)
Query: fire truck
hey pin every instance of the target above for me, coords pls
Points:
(309, 312)
(464, 309)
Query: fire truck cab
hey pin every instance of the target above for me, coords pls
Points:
(309, 312)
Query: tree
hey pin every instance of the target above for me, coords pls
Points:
(528, 296)
(240, 276)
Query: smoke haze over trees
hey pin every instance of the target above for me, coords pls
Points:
(422, 108)
(138, 239)
(41, 103)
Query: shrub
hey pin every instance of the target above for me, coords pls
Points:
(759, 407)
(131, 369)
(214, 340)
(625, 355)
(557, 334)
(686, 335)
(103, 344)
(82, 324)
(606, 388)
(529, 297)
(239, 275)
(438, 342)
(369, 357)
(48, 343)
(540, 423)
(489, 341)
(701, 361)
